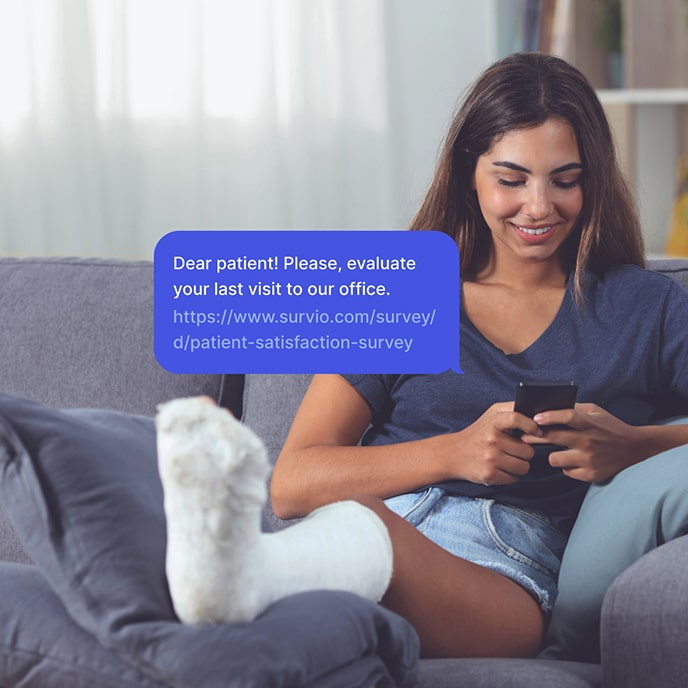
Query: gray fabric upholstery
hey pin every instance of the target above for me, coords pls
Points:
(270, 402)
(66, 654)
(83, 492)
(79, 333)
(645, 622)
(10, 547)
(507, 673)
(676, 268)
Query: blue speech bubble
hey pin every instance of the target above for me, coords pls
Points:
(307, 302)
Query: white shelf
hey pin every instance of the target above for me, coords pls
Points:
(647, 126)
(644, 96)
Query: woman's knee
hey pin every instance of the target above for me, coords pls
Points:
(376, 505)
(401, 533)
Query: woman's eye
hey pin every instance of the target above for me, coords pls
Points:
(566, 184)
(510, 182)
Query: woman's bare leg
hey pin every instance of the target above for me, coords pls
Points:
(458, 608)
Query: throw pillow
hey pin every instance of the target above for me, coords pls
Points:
(82, 490)
(621, 519)
(42, 646)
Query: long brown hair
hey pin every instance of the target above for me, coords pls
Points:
(521, 91)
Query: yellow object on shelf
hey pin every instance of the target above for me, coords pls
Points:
(678, 234)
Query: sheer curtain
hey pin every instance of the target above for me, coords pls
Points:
(121, 120)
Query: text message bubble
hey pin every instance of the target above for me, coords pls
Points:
(307, 302)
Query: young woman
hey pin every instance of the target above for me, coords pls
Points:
(476, 505)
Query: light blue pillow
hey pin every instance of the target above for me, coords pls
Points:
(621, 519)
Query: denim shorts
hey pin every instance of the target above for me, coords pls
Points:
(522, 545)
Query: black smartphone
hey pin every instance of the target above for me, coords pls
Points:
(535, 397)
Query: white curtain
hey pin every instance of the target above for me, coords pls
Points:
(121, 120)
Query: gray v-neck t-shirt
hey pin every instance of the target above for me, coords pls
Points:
(626, 347)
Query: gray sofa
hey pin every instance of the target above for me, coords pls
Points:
(79, 333)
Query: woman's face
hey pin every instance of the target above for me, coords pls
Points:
(529, 191)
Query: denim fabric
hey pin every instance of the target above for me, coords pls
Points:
(524, 546)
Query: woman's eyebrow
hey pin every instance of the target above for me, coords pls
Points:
(520, 168)
(567, 167)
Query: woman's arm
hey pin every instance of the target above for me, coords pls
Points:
(320, 462)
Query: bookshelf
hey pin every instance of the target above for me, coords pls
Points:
(648, 110)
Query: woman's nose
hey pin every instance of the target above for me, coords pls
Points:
(537, 203)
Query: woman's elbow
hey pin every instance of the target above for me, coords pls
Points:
(282, 506)
(284, 496)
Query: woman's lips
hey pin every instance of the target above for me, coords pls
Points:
(534, 234)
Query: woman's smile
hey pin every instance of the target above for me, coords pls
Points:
(535, 234)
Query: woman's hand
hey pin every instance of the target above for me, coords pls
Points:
(489, 452)
(599, 445)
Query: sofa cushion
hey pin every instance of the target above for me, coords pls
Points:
(269, 405)
(507, 673)
(89, 322)
(674, 267)
(82, 490)
(645, 621)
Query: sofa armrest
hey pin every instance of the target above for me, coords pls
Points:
(644, 625)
